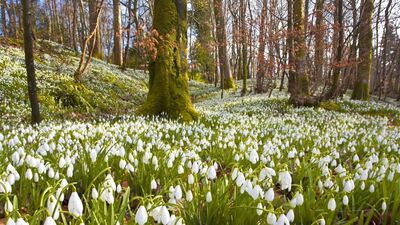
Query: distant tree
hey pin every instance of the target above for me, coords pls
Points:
(117, 50)
(224, 64)
(3, 8)
(96, 43)
(361, 89)
(29, 61)
(168, 84)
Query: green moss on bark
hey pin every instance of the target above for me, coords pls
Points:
(168, 84)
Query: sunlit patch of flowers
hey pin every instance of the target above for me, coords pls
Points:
(247, 161)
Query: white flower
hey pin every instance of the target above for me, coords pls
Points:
(283, 220)
(372, 188)
(10, 221)
(153, 185)
(271, 219)
(332, 204)
(384, 206)
(107, 195)
(49, 221)
(299, 198)
(208, 197)
(259, 209)
(75, 206)
(29, 174)
(348, 186)
(141, 215)
(345, 200)
(240, 179)
(322, 221)
(21, 221)
(165, 216)
(285, 180)
(8, 207)
(95, 194)
(52, 206)
(212, 174)
(189, 196)
(290, 215)
(178, 192)
(269, 195)
(190, 179)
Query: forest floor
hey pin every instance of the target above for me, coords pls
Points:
(248, 160)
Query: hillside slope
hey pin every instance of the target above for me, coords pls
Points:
(106, 89)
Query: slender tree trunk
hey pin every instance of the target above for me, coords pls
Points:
(361, 89)
(117, 50)
(96, 43)
(224, 65)
(3, 18)
(319, 41)
(168, 83)
(261, 51)
(245, 67)
(128, 33)
(13, 20)
(385, 50)
(290, 50)
(339, 33)
(29, 62)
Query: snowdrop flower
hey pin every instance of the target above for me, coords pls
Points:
(259, 209)
(107, 195)
(95, 194)
(240, 179)
(141, 215)
(75, 206)
(29, 174)
(208, 197)
(189, 196)
(348, 185)
(322, 221)
(285, 180)
(119, 188)
(212, 174)
(269, 195)
(165, 216)
(384, 206)
(372, 188)
(21, 221)
(190, 179)
(153, 184)
(283, 220)
(271, 219)
(290, 215)
(332, 204)
(10, 221)
(52, 206)
(178, 192)
(8, 207)
(49, 221)
(345, 200)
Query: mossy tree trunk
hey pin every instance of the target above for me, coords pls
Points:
(224, 64)
(168, 84)
(203, 47)
(117, 50)
(299, 83)
(361, 88)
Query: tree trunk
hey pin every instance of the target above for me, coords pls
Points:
(30, 65)
(3, 18)
(245, 68)
(339, 33)
(385, 51)
(300, 88)
(128, 33)
(117, 50)
(168, 84)
(361, 89)
(224, 65)
(96, 43)
(261, 51)
(319, 42)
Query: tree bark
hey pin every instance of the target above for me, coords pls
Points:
(29, 62)
(361, 89)
(261, 51)
(96, 43)
(168, 84)
(3, 18)
(224, 65)
(245, 68)
(117, 50)
(319, 41)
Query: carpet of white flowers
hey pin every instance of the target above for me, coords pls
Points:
(248, 160)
